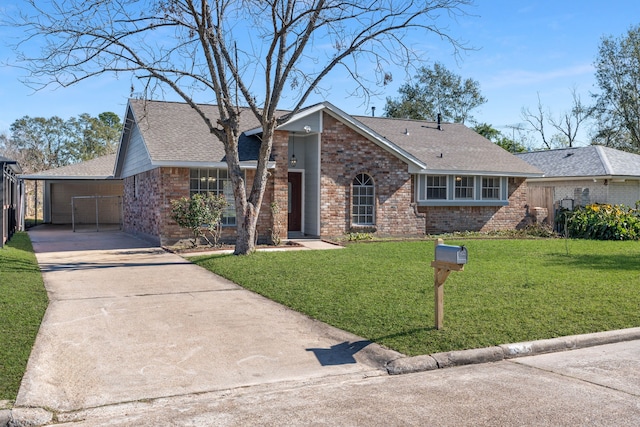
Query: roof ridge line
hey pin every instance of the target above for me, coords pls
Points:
(604, 159)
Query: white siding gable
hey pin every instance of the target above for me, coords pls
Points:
(137, 158)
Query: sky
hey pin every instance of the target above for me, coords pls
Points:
(519, 50)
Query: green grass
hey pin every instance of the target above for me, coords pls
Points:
(510, 291)
(23, 301)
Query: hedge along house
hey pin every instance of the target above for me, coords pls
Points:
(331, 174)
(84, 194)
(10, 198)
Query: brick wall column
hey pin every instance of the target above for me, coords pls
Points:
(280, 182)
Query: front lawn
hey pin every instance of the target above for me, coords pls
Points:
(23, 301)
(510, 291)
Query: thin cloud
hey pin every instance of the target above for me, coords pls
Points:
(515, 78)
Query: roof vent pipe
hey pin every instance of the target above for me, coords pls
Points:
(373, 111)
(439, 121)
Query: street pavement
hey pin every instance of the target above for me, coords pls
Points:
(136, 336)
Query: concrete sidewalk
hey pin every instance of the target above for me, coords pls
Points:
(129, 322)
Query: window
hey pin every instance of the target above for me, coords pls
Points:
(491, 188)
(436, 187)
(363, 200)
(136, 186)
(464, 187)
(460, 190)
(217, 182)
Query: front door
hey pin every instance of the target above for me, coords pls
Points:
(295, 201)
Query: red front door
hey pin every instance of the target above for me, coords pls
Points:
(295, 201)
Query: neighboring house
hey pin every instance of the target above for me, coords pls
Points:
(350, 174)
(10, 198)
(583, 175)
(81, 193)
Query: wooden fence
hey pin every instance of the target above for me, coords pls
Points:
(542, 197)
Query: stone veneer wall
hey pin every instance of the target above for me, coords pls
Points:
(443, 219)
(345, 154)
(149, 214)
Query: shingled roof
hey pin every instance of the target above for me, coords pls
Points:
(451, 148)
(590, 161)
(174, 133)
(98, 168)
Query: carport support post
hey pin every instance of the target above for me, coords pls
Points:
(440, 273)
(97, 213)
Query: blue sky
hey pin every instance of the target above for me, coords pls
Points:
(522, 48)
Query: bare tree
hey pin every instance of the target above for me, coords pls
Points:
(568, 123)
(537, 121)
(248, 52)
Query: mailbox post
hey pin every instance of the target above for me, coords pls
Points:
(447, 259)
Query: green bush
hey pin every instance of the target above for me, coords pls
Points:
(201, 214)
(602, 222)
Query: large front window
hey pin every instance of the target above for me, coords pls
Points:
(217, 182)
(461, 190)
(363, 200)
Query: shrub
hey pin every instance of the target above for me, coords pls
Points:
(201, 214)
(602, 222)
(356, 236)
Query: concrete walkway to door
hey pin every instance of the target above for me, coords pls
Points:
(128, 322)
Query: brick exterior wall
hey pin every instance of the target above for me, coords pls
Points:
(443, 219)
(344, 155)
(149, 213)
(279, 187)
(147, 208)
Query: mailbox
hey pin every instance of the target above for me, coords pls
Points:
(452, 254)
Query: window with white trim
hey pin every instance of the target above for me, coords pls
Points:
(464, 187)
(362, 200)
(217, 182)
(490, 188)
(436, 187)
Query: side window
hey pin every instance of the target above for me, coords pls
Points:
(215, 181)
(436, 187)
(362, 200)
(491, 188)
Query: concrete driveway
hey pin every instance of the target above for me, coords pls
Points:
(128, 322)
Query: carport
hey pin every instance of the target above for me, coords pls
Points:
(82, 195)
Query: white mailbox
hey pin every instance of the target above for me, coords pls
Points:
(451, 253)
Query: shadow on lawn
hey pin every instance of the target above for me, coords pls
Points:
(18, 266)
(628, 262)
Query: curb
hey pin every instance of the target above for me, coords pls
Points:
(25, 417)
(407, 365)
(31, 417)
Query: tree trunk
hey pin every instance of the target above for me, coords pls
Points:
(246, 232)
(247, 207)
